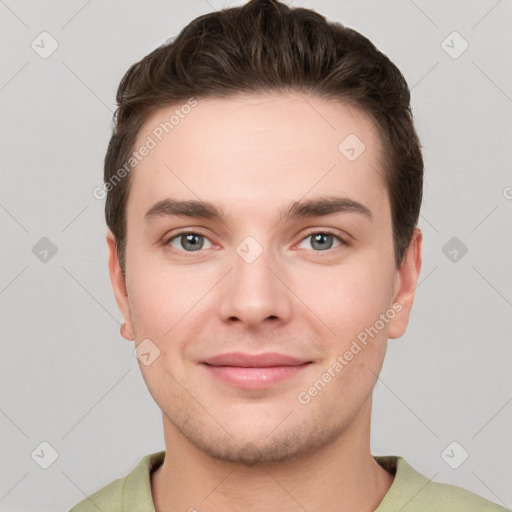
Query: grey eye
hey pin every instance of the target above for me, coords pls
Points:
(322, 241)
(188, 242)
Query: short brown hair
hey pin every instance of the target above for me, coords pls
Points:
(265, 46)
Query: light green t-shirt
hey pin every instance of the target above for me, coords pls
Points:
(409, 492)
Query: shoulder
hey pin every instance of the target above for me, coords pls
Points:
(108, 498)
(131, 493)
(416, 493)
(440, 496)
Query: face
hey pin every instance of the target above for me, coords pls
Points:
(263, 315)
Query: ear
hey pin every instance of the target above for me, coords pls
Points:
(405, 285)
(119, 286)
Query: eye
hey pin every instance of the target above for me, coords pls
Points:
(192, 241)
(323, 240)
(187, 241)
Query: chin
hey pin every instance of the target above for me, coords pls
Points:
(251, 445)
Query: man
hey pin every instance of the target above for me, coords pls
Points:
(264, 181)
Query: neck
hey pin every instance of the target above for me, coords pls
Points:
(341, 477)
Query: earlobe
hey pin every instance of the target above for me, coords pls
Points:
(126, 333)
(119, 287)
(405, 285)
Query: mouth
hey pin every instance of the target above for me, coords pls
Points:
(254, 371)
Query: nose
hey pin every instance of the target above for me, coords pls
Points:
(254, 292)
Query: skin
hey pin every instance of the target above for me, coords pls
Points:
(229, 448)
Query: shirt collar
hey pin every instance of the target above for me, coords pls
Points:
(137, 495)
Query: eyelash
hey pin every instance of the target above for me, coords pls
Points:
(167, 240)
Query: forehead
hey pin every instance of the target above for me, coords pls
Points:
(257, 150)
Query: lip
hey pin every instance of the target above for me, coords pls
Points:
(254, 371)
(265, 360)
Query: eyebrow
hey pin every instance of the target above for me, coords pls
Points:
(317, 207)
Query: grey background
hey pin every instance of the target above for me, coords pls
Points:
(67, 376)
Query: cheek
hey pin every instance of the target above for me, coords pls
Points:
(351, 304)
(347, 298)
(169, 305)
(158, 292)
(163, 307)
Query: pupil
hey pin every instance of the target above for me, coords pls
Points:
(193, 244)
(321, 238)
